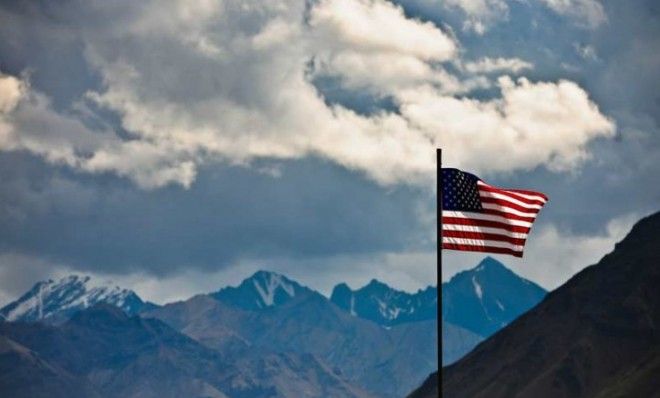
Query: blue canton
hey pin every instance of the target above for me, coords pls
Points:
(460, 191)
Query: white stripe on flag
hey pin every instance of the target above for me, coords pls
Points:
(483, 230)
(511, 210)
(487, 217)
(481, 242)
(508, 198)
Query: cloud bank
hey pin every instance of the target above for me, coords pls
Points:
(233, 81)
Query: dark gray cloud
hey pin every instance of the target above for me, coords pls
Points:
(105, 224)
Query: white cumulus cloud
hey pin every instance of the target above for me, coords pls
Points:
(233, 81)
(479, 14)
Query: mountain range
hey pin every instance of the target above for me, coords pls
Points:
(598, 335)
(268, 336)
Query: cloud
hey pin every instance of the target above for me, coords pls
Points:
(587, 13)
(531, 124)
(586, 51)
(358, 24)
(11, 91)
(28, 122)
(233, 82)
(18, 272)
(479, 14)
(348, 43)
(492, 65)
(105, 224)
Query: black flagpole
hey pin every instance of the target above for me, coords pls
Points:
(438, 153)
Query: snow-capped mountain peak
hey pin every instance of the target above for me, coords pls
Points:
(56, 300)
(268, 284)
(262, 290)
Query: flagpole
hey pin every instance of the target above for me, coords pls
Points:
(438, 153)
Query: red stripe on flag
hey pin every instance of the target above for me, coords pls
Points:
(482, 236)
(483, 249)
(484, 223)
(505, 203)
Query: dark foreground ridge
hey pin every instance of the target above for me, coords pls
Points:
(596, 336)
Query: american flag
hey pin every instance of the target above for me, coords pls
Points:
(483, 218)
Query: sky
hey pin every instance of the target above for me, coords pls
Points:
(177, 146)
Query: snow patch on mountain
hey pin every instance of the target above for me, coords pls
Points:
(487, 297)
(353, 306)
(269, 287)
(262, 290)
(477, 288)
(384, 305)
(57, 300)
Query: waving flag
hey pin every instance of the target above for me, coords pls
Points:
(483, 218)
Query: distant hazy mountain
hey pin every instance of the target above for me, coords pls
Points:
(122, 356)
(56, 301)
(476, 303)
(598, 335)
(384, 305)
(488, 297)
(261, 290)
(481, 300)
(384, 362)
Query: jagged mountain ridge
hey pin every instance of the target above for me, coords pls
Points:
(481, 300)
(384, 305)
(56, 301)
